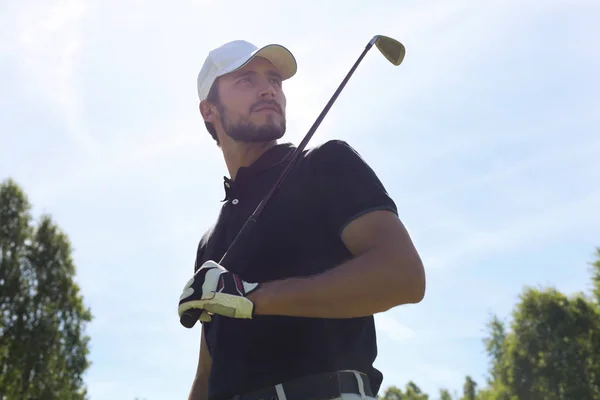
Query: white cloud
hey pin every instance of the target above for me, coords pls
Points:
(391, 327)
(442, 375)
(530, 231)
(47, 41)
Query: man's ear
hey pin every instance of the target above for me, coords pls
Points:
(208, 111)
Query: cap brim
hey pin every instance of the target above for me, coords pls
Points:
(281, 58)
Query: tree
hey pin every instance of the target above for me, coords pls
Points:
(392, 393)
(469, 389)
(445, 394)
(412, 392)
(43, 348)
(551, 352)
(596, 276)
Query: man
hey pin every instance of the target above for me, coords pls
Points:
(291, 315)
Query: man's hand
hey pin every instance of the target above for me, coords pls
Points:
(215, 290)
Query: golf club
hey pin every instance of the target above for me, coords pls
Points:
(394, 52)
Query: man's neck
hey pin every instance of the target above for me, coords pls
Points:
(238, 155)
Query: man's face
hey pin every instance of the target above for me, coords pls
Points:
(251, 105)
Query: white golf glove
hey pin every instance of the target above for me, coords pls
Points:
(215, 290)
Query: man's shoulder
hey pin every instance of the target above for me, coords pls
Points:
(335, 155)
(331, 153)
(332, 146)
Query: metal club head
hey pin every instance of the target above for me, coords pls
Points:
(391, 49)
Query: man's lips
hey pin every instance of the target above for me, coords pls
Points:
(267, 108)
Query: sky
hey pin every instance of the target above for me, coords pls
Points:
(487, 137)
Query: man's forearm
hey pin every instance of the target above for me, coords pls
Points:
(373, 282)
(199, 389)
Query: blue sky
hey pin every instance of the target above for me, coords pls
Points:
(487, 137)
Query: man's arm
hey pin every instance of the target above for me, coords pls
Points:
(199, 389)
(386, 271)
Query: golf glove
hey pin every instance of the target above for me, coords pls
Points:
(216, 290)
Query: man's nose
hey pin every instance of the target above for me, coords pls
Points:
(267, 89)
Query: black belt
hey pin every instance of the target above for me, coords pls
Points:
(314, 387)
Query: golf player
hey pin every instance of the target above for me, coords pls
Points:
(291, 315)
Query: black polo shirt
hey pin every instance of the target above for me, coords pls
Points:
(298, 234)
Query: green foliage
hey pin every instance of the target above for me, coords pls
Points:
(553, 351)
(410, 392)
(43, 349)
(550, 350)
(469, 389)
(596, 276)
(445, 394)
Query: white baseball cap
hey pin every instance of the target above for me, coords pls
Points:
(234, 55)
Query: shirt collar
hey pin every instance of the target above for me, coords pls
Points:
(269, 159)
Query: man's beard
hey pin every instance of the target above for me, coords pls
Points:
(248, 132)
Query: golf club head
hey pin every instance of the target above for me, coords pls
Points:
(391, 49)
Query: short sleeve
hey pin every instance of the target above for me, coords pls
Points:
(199, 258)
(345, 186)
(201, 250)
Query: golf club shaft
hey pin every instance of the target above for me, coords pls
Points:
(190, 317)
